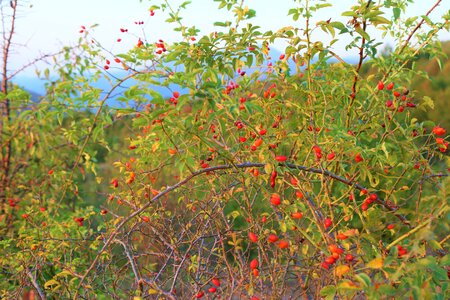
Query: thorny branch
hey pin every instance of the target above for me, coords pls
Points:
(228, 167)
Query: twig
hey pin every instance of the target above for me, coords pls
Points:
(439, 175)
(36, 285)
(135, 269)
(5, 110)
(358, 68)
(402, 48)
(417, 27)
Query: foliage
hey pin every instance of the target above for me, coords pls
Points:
(259, 177)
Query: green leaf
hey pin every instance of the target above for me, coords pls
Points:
(362, 33)
(426, 102)
(396, 12)
(349, 14)
(319, 6)
(379, 20)
(249, 62)
(156, 97)
(364, 279)
(222, 24)
(328, 292)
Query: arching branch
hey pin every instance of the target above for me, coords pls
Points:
(228, 167)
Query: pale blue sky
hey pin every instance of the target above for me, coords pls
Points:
(50, 24)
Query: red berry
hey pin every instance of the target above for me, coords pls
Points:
(439, 131)
(280, 158)
(283, 244)
(389, 103)
(390, 86)
(365, 206)
(200, 294)
(212, 289)
(272, 238)
(349, 258)
(253, 237)
(297, 215)
(380, 85)
(328, 222)
(215, 281)
(330, 260)
(115, 183)
(331, 156)
(335, 249)
(317, 149)
(358, 158)
(176, 94)
(275, 199)
(254, 264)
(273, 177)
(342, 236)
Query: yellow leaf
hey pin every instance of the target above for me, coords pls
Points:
(376, 263)
(117, 220)
(351, 232)
(341, 270)
(51, 282)
(348, 285)
(268, 168)
(155, 147)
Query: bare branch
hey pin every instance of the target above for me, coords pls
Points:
(36, 285)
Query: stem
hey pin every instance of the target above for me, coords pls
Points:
(408, 39)
(358, 67)
(5, 110)
(36, 285)
(409, 233)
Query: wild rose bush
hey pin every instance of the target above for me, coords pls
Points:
(260, 177)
